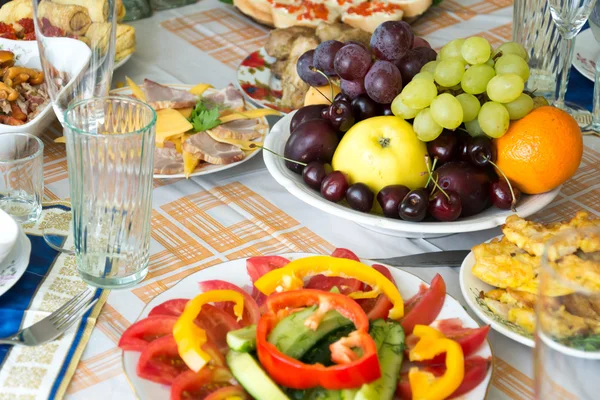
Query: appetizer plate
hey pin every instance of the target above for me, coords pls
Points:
(586, 51)
(487, 219)
(207, 168)
(14, 265)
(122, 62)
(471, 286)
(258, 82)
(235, 272)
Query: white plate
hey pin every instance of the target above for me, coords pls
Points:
(471, 286)
(586, 52)
(122, 62)
(207, 168)
(8, 234)
(235, 272)
(14, 265)
(293, 182)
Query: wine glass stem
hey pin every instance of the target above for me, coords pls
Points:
(567, 51)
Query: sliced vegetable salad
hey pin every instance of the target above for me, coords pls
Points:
(322, 327)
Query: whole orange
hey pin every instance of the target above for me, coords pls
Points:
(540, 151)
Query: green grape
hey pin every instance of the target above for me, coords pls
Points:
(476, 50)
(470, 105)
(449, 72)
(520, 107)
(476, 78)
(418, 93)
(446, 111)
(512, 48)
(402, 110)
(505, 88)
(425, 127)
(512, 64)
(493, 119)
(473, 128)
(490, 62)
(424, 75)
(452, 50)
(430, 66)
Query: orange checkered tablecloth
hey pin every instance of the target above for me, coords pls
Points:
(243, 212)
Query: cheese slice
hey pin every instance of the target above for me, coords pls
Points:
(200, 88)
(177, 140)
(169, 123)
(135, 89)
(248, 114)
(62, 139)
(186, 112)
(246, 145)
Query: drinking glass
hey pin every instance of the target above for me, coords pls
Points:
(21, 176)
(567, 348)
(76, 40)
(110, 154)
(569, 16)
(595, 26)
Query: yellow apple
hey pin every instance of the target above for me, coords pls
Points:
(382, 151)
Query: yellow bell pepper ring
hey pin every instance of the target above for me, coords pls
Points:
(290, 277)
(189, 337)
(424, 385)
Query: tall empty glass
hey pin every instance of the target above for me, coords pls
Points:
(110, 156)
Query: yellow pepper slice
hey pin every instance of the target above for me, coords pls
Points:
(200, 88)
(291, 277)
(424, 385)
(189, 337)
(248, 114)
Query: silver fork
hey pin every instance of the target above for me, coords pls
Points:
(54, 324)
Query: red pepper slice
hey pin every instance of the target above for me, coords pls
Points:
(351, 370)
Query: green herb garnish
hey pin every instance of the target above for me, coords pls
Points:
(584, 343)
(203, 118)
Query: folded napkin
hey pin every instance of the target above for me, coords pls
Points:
(44, 372)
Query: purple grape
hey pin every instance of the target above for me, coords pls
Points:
(325, 55)
(353, 88)
(360, 197)
(357, 43)
(352, 62)
(413, 61)
(304, 69)
(420, 42)
(383, 82)
(391, 40)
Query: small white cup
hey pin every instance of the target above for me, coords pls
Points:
(9, 232)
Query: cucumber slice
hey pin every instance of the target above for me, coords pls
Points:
(243, 340)
(248, 372)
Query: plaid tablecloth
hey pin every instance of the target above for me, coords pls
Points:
(243, 212)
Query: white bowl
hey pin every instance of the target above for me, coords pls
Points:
(487, 219)
(8, 234)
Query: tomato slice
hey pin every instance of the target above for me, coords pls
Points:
(380, 306)
(427, 306)
(257, 267)
(141, 333)
(160, 361)
(216, 323)
(200, 385)
(475, 372)
(170, 307)
(344, 285)
(228, 393)
(251, 311)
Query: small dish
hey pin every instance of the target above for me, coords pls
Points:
(8, 234)
(586, 52)
(14, 265)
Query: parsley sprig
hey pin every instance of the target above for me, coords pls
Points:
(203, 118)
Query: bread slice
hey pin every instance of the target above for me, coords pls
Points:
(260, 10)
(368, 16)
(412, 8)
(303, 13)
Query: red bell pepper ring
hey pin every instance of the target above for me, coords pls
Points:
(351, 372)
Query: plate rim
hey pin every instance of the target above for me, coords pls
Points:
(122, 62)
(580, 45)
(24, 245)
(275, 165)
(488, 378)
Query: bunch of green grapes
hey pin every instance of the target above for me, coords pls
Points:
(468, 84)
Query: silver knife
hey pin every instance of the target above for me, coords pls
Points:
(451, 258)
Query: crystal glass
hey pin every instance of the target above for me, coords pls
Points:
(21, 176)
(595, 26)
(569, 16)
(166, 4)
(110, 152)
(567, 348)
(136, 9)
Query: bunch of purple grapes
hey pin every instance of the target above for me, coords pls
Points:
(379, 73)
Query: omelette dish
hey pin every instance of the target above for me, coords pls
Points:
(512, 265)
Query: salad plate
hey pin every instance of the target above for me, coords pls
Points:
(490, 218)
(235, 272)
(122, 62)
(14, 265)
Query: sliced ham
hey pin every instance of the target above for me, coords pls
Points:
(243, 129)
(167, 161)
(205, 148)
(229, 99)
(161, 96)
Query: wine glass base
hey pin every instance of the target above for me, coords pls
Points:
(579, 113)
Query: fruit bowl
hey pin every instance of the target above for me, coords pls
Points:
(489, 218)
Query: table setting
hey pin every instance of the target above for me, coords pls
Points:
(299, 199)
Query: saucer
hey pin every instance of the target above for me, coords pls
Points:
(15, 263)
(586, 52)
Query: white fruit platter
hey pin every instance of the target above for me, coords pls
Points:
(487, 219)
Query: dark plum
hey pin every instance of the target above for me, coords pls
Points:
(334, 186)
(469, 182)
(305, 66)
(390, 197)
(444, 147)
(414, 206)
(325, 55)
(413, 61)
(363, 107)
(445, 206)
(481, 150)
(360, 197)
(313, 174)
(314, 140)
(391, 40)
(353, 88)
(501, 196)
(307, 113)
